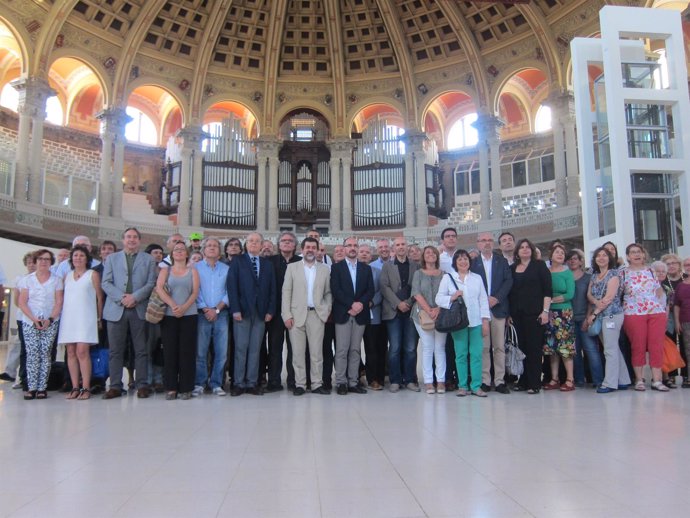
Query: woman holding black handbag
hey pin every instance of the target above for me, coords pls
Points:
(530, 303)
(468, 285)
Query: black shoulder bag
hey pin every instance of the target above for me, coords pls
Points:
(454, 318)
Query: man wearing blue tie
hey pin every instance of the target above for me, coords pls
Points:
(252, 297)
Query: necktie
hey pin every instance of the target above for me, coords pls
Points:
(255, 266)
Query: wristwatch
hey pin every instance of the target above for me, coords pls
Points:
(217, 311)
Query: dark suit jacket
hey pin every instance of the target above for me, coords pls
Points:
(246, 293)
(530, 288)
(344, 294)
(501, 282)
(279, 265)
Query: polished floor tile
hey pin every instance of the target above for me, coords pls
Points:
(399, 455)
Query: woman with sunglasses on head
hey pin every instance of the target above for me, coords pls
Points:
(470, 340)
(644, 307)
(40, 300)
(604, 296)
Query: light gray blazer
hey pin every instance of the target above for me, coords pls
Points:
(114, 283)
(295, 293)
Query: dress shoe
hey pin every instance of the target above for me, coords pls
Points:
(502, 389)
(375, 385)
(342, 390)
(299, 391)
(112, 393)
(328, 386)
(485, 387)
(256, 391)
(357, 389)
(236, 391)
(6, 377)
(605, 390)
(143, 392)
(274, 388)
(321, 390)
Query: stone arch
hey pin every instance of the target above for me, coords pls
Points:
(254, 127)
(173, 90)
(503, 78)
(291, 106)
(374, 109)
(96, 68)
(23, 39)
(358, 106)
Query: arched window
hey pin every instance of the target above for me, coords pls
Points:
(542, 122)
(54, 112)
(462, 133)
(141, 129)
(9, 97)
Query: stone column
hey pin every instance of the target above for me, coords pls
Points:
(341, 184)
(560, 112)
(113, 122)
(33, 94)
(416, 212)
(491, 205)
(572, 165)
(189, 207)
(267, 150)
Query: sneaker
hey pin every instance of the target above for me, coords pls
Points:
(218, 392)
(198, 390)
(413, 387)
(394, 387)
(17, 385)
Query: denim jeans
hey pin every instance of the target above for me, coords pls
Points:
(402, 340)
(217, 329)
(590, 346)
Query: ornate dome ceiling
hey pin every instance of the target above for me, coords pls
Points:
(333, 56)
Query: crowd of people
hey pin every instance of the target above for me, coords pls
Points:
(231, 308)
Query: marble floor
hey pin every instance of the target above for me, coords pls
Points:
(552, 455)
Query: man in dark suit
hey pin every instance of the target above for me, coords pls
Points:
(352, 286)
(277, 333)
(495, 272)
(128, 278)
(252, 295)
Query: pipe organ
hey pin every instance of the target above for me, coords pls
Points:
(229, 177)
(378, 178)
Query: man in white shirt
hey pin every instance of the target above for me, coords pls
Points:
(383, 249)
(449, 240)
(64, 267)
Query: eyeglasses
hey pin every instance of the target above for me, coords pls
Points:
(43, 258)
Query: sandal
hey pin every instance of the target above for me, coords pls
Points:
(686, 383)
(670, 383)
(84, 394)
(29, 395)
(639, 386)
(568, 386)
(657, 385)
(533, 391)
(41, 394)
(551, 385)
(73, 394)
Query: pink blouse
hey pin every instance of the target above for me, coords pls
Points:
(640, 293)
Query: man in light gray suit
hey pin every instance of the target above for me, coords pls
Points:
(306, 305)
(128, 278)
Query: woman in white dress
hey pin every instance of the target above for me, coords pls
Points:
(81, 318)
